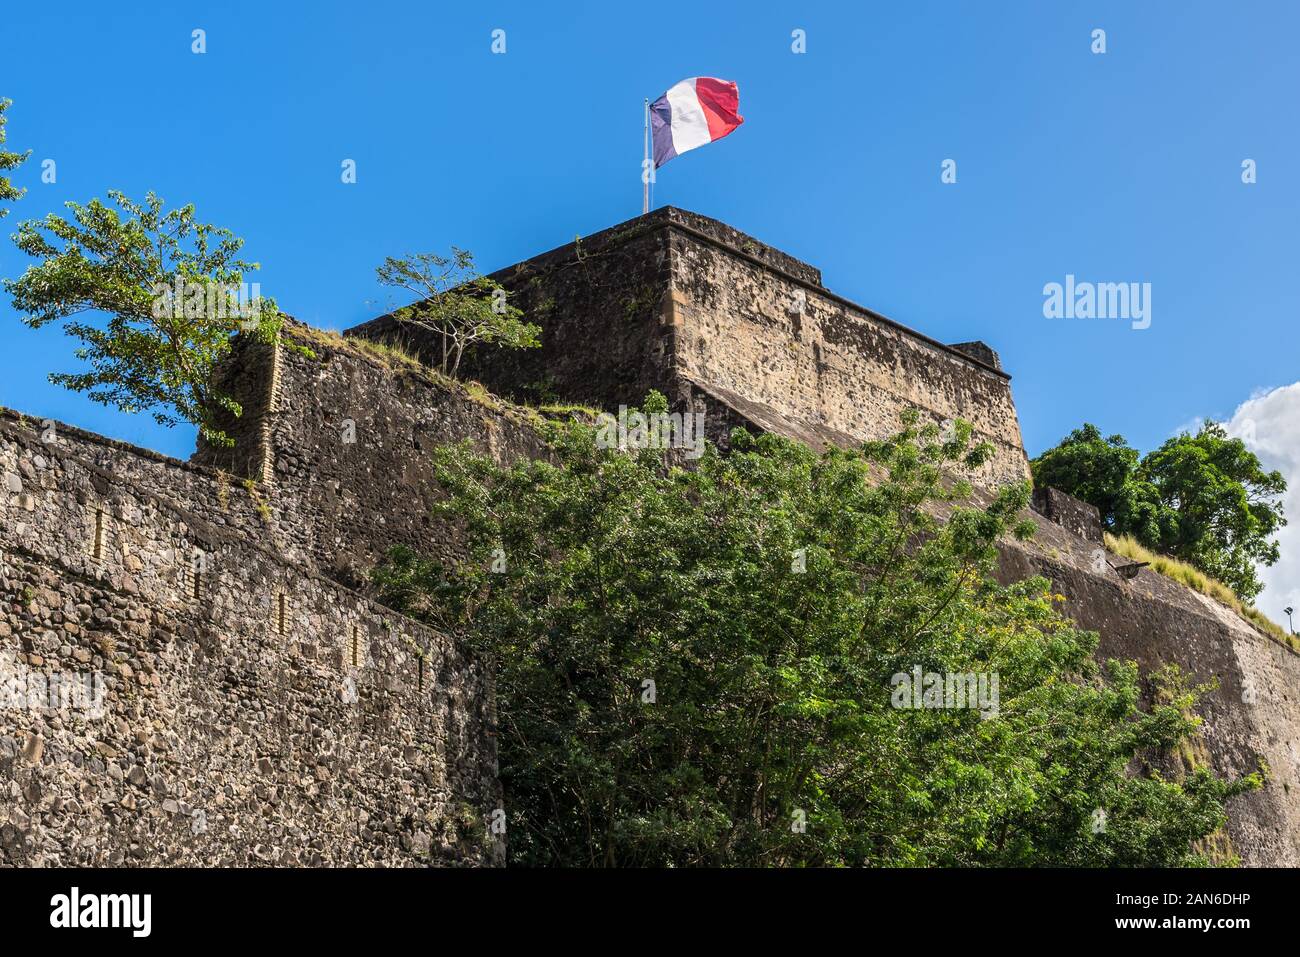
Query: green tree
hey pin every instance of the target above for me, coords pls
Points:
(8, 161)
(1204, 499)
(1095, 469)
(1104, 473)
(700, 667)
(162, 291)
(1227, 508)
(456, 305)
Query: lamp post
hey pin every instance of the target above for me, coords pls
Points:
(1289, 626)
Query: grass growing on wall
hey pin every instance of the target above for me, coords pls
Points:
(396, 358)
(570, 410)
(1192, 753)
(391, 355)
(1197, 580)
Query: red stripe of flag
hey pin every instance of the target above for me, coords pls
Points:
(719, 99)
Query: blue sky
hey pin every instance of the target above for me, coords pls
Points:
(1122, 167)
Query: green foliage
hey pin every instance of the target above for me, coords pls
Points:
(773, 596)
(155, 351)
(1090, 468)
(1228, 508)
(1202, 499)
(456, 305)
(8, 161)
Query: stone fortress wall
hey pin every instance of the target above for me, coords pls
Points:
(722, 323)
(716, 320)
(1252, 715)
(343, 440)
(341, 733)
(235, 707)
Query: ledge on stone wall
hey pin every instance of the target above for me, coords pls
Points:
(979, 351)
(719, 235)
(1069, 512)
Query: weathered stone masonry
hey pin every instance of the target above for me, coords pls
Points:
(1253, 713)
(722, 323)
(270, 712)
(346, 444)
(254, 712)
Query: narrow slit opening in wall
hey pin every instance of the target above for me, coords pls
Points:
(280, 615)
(198, 579)
(356, 646)
(420, 685)
(97, 548)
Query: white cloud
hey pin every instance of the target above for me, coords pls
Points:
(1269, 425)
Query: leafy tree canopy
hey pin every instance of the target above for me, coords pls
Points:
(8, 161)
(456, 305)
(1204, 499)
(165, 294)
(701, 667)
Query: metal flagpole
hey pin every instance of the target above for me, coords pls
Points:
(645, 165)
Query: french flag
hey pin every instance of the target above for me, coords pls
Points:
(694, 112)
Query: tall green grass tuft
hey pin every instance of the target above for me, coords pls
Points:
(1197, 580)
